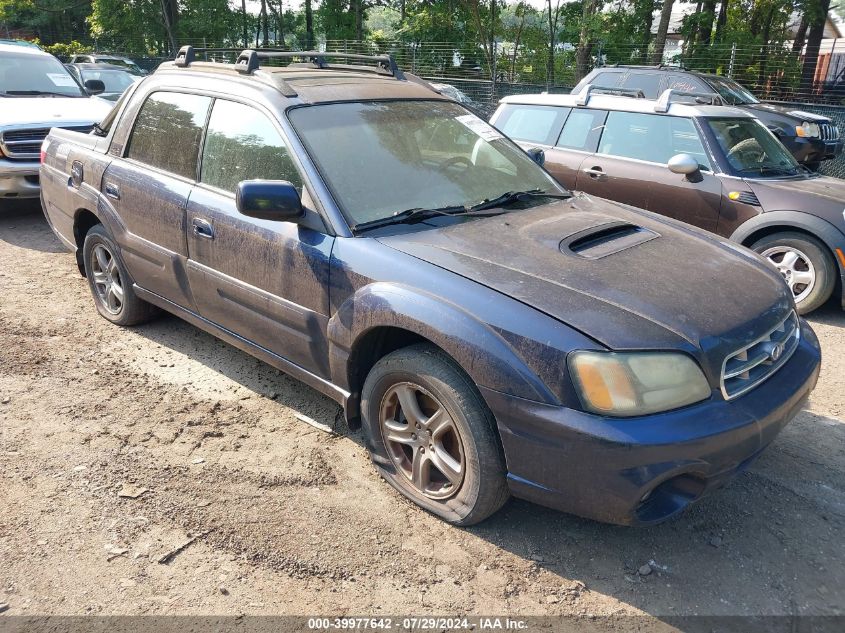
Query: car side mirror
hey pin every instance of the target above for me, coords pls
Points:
(95, 87)
(686, 165)
(537, 155)
(269, 200)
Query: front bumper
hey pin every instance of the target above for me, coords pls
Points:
(19, 179)
(833, 149)
(640, 471)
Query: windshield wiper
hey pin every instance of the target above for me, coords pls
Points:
(509, 197)
(36, 93)
(408, 216)
(484, 208)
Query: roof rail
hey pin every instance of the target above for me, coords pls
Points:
(248, 59)
(665, 99)
(582, 98)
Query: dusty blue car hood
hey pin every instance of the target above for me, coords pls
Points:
(678, 289)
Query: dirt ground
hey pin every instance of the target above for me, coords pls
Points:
(292, 520)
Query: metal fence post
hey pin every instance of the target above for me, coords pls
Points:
(732, 62)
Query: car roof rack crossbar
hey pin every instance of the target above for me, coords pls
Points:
(665, 99)
(248, 59)
(582, 98)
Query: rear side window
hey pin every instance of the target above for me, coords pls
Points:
(649, 83)
(533, 123)
(242, 144)
(651, 137)
(687, 83)
(606, 80)
(167, 132)
(582, 130)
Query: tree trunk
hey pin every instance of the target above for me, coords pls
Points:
(402, 12)
(814, 40)
(262, 17)
(722, 20)
(359, 20)
(800, 36)
(309, 26)
(662, 29)
(585, 45)
(170, 16)
(645, 9)
(279, 15)
(550, 62)
(705, 26)
(764, 51)
(243, 14)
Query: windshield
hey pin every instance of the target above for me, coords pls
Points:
(117, 61)
(35, 75)
(383, 158)
(751, 149)
(731, 92)
(114, 80)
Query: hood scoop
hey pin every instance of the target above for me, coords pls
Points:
(606, 239)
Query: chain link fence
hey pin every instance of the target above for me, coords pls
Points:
(486, 74)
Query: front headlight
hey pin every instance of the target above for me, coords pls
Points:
(636, 383)
(808, 130)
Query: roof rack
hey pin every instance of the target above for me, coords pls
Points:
(582, 98)
(678, 66)
(248, 59)
(665, 99)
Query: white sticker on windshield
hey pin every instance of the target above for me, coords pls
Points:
(480, 127)
(59, 79)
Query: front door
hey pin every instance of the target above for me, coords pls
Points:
(148, 187)
(631, 166)
(265, 281)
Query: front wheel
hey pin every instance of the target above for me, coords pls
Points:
(806, 265)
(425, 418)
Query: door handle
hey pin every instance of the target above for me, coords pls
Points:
(595, 173)
(112, 190)
(201, 228)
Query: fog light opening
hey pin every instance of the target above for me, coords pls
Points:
(669, 498)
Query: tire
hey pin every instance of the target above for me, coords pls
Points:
(799, 256)
(448, 403)
(110, 283)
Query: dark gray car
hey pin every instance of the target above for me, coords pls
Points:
(812, 138)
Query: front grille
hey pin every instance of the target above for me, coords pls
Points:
(747, 368)
(829, 132)
(26, 144)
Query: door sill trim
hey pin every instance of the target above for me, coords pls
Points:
(303, 375)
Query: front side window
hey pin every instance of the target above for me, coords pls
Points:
(651, 138)
(751, 149)
(532, 123)
(28, 75)
(242, 144)
(114, 80)
(582, 130)
(382, 158)
(167, 132)
(731, 92)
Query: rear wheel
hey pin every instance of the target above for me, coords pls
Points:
(109, 281)
(806, 265)
(424, 414)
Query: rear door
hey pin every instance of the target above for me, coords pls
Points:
(148, 184)
(576, 144)
(263, 280)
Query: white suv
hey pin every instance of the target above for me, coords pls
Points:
(36, 94)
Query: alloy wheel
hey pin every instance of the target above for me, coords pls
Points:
(797, 269)
(106, 279)
(422, 440)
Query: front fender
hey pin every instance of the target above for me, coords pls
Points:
(485, 355)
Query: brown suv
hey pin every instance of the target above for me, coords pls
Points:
(715, 167)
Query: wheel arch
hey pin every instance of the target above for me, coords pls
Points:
(773, 222)
(83, 221)
(383, 317)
